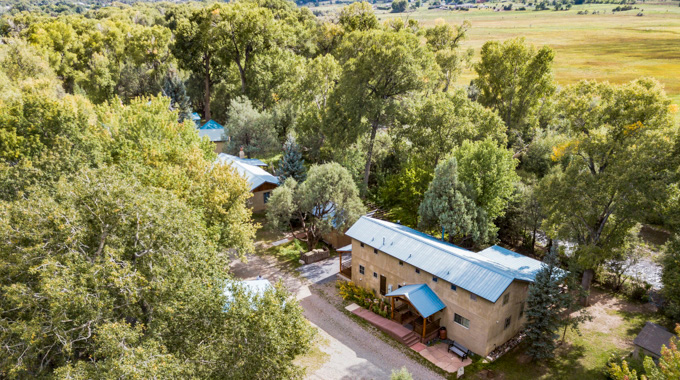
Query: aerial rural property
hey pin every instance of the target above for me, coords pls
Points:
(313, 189)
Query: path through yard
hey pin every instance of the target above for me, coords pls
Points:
(350, 351)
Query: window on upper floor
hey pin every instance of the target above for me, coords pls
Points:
(362, 245)
(507, 322)
(401, 263)
(454, 288)
(417, 270)
(434, 279)
(461, 321)
(361, 269)
(375, 274)
(375, 250)
(506, 298)
(473, 297)
(521, 309)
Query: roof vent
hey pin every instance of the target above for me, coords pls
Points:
(383, 240)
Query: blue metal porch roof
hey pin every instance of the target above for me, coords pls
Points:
(421, 297)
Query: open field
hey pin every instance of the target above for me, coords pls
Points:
(615, 47)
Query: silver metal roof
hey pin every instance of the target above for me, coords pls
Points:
(486, 274)
(254, 174)
(421, 297)
(215, 135)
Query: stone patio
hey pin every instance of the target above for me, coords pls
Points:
(443, 358)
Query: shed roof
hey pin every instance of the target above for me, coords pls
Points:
(652, 337)
(215, 135)
(211, 124)
(347, 248)
(254, 174)
(195, 116)
(421, 297)
(486, 274)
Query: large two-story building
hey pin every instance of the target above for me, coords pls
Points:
(478, 296)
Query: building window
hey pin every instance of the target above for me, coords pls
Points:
(362, 245)
(461, 321)
(417, 270)
(398, 286)
(375, 250)
(473, 297)
(521, 309)
(266, 196)
(507, 322)
(401, 263)
(506, 298)
(361, 269)
(375, 275)
(453, 287)
(434, 279)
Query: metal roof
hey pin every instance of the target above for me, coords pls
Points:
(195, 116)
(249, 161)
(347, 248)
(421, 297)
(213, 134)
(254, 174)
(652, 337)
(486, 274)
(211, 124)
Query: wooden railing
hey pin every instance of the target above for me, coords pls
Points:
(346, 268)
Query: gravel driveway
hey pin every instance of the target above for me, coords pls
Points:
(354, 352)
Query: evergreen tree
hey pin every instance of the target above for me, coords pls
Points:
(543, 319)
(173, 88)
(291, 164)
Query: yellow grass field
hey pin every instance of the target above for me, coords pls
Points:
(614, 47)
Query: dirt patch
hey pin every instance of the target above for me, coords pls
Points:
(602, 305)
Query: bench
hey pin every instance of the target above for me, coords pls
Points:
(459, 350)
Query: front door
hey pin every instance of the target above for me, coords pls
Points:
(383, 285)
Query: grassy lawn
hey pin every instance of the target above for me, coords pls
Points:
(615, 324)
(288, 253)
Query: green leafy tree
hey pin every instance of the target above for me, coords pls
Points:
(358, 16)
(104, 276)
(291, 164)
(490, 170)
(379, 69)
(327, 201)
(250, 129)
(399, 6)
(615, 164)
(442, 121)
(513, 79)
(197, 47)
(404, 191)
(670, 277)
(445, 41)
(449, 204)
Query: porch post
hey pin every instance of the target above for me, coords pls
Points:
(340, 253)
(392, 310)
(424, 324)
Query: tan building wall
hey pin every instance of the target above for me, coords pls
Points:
(337, 239)
(257, 202)
(487, 320)
(219, 146)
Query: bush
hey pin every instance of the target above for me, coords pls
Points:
(349, 291)
(399, 6)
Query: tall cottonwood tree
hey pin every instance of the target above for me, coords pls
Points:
(616, 162)
(513, 79)
(445, 40)
(379, 69)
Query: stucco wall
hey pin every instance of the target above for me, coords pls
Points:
(257, 200)
(486, 318)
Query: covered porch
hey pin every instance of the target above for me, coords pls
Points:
(345, 258)
(415, 307)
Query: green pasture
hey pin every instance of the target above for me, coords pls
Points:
(617, 47)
